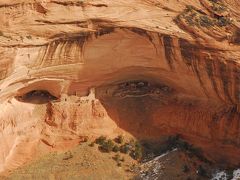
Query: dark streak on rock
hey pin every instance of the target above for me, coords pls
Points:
(224, 75)
(67, 41)
(104, 31)
(52, 48)
(46, 142)
(78, 3)
(210, 71)
(226, 113)
(235, 39)
(99, 5)
(9, 5)
(168, 45)
(144, 33)
(141, 32)
(69, 36)
(36, 5)
(191, 56)
(67, 3)
(232, 111)
(82, 24)
(186, 51)
(39, 8)
(236, 76)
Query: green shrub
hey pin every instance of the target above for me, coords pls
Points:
(219, 8)
(115, 148)
(107, 146)
(223, 21)
(125, 148)
(101, 140)
(137, 152)
(119, 139)
(189, 8)
(205, 21)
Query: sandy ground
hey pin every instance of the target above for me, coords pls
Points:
(83, 162)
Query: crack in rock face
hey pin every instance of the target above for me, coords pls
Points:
(70, 70)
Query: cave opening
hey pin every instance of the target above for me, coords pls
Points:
(37, 97)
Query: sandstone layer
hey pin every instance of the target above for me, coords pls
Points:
(71, 69)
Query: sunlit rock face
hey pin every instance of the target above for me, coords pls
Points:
(71, 69)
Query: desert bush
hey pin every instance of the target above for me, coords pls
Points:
(100, 140)
(137, 152)
(107, 146)
(115, 148)
(219, 8)
(119, 139)
(125, 148)
(223, 21)
(205, 21)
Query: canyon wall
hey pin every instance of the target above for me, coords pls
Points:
(76, 69)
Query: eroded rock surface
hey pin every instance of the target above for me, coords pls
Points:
(71, 69)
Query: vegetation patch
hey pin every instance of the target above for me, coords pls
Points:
(218, 6)
(143, 150)
(119, 139)
(177, 142)
(119, 145)
(194, 17)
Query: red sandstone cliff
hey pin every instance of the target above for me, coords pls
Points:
(153, 68)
